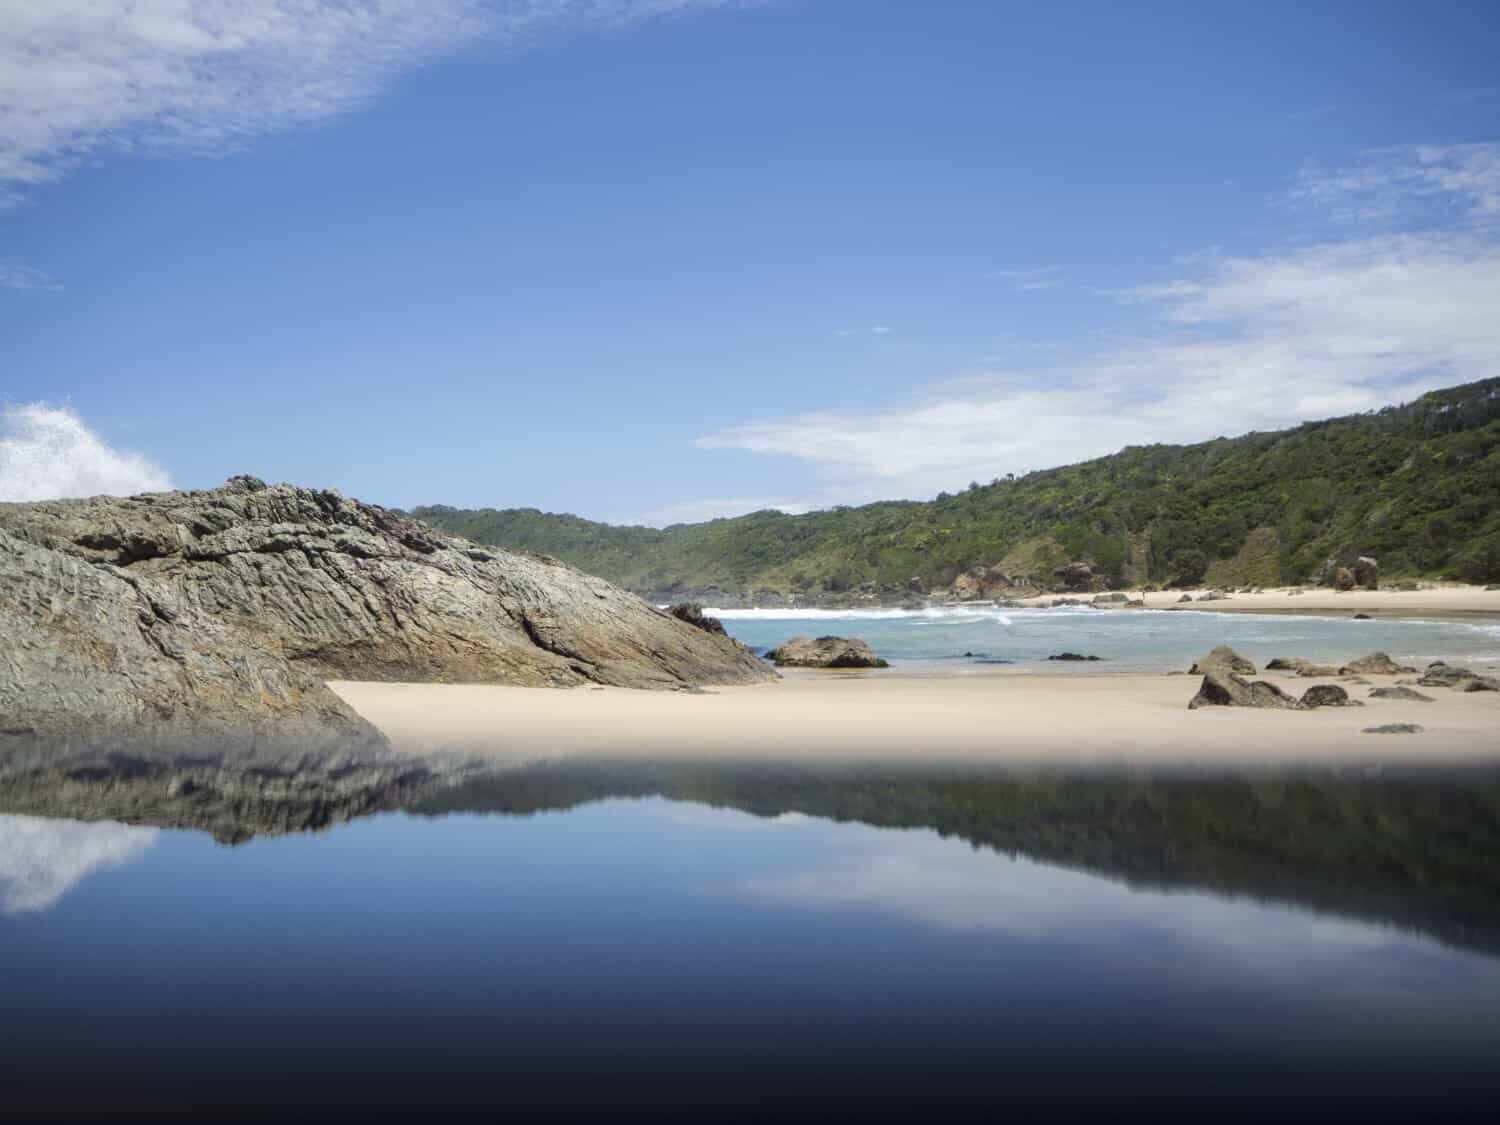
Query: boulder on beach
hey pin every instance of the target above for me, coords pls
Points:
(1221, 687)
(1185, 598)
(1342, 578)
(1114, 598)
(1440, 674)
(825, 652)
(1367, 573)
(1288, 664)
(1405, 694)
(1376, 664)
(1327, 695)
(1223, 657)
(1394, 728)
(1309, 671)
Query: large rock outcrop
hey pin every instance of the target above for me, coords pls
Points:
(231, 605)
(825, 652)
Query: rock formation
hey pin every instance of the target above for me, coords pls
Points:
(1222, 687)
(825, 652)
(1225, 657)
(1343, 578)
(1406, 694)
(1377, 664)
(1327, 695)
(1367, 573)
(693, 614)
(1439, 674)
(223, 610)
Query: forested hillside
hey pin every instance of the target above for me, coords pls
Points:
(1417, 486)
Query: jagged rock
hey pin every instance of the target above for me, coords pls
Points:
(1439, 674)
(1223, 688)
(1362, 617)
(1111, 599)
(1328, 695)
(825, 652)
(1403, 693)
(1394, 728)
(1343, 578)
(1185, 598)
(253, 594)
(1072, 656)
(1367, 573)
(1223, 657)
(693, 614)
(1375, 664)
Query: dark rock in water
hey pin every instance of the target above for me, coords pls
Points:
(1439, 674)
(991, 660)
(825, 652)
(1367, 573)
(1223, 688)
(1223, 657)
(1394, 728)
(1072, 656)
(1328, 695)
(1362, 617)
(189, 614)
(693, 614)
(1376, 664)
(1403, 693)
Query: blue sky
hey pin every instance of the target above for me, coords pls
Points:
(649, 260)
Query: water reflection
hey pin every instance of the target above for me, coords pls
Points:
(41, 860)
(1417, 847)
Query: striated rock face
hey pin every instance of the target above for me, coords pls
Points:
(231, 605)
(93, 655)
(825, 652)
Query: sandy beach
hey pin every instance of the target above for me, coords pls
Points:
(1435, 602)
(1131, 718)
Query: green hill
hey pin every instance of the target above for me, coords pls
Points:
(1417, 486)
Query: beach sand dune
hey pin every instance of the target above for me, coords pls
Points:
(1101, 718)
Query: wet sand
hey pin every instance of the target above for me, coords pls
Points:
(884, 715)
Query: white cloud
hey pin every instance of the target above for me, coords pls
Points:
(205, 76)
(14, 275)
(1030, 280)
(41, 860)
(47, 452)
(881, 330)
(1236, 344)
(1396, 183)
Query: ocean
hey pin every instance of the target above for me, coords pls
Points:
(956, 640)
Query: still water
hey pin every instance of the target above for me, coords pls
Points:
(725, 941)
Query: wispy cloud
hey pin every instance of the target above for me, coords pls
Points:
(1235, 343)
(14, 275)
(78, 77)
(47, 452)
(1418, 183)
(1030, 280)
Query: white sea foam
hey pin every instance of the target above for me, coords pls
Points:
(948, 615)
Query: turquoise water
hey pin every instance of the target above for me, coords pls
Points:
(938, 639)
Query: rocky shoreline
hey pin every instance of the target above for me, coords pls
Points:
(215, 617)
